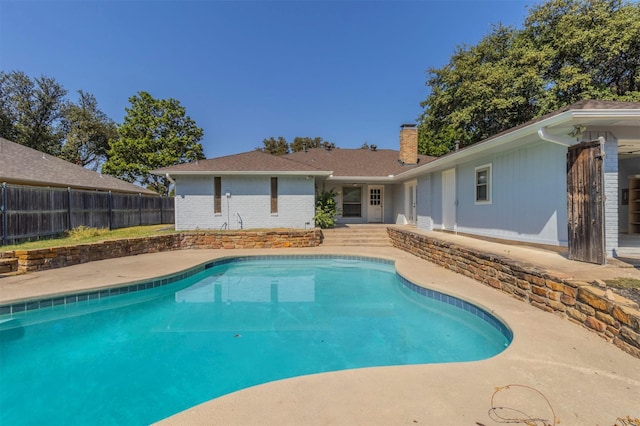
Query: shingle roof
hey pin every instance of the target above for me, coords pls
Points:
(25, 166)
(596, 104)
(252, 161)
(356, 162)
(348, 162)
(339, 162)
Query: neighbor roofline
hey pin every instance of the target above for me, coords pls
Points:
(47, 184)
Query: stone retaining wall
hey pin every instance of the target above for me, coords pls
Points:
(58, 257)
(8, 264)
(612, 317)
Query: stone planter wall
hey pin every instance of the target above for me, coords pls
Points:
(251, 239)
(58, 257)
(612, 317)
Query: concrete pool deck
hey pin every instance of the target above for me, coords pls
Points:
(586, 380)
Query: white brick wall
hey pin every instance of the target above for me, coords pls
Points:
(249, 203)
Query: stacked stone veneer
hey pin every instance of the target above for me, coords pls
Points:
(58, 257)
(615, 320)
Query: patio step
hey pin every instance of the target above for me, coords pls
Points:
(361, 235)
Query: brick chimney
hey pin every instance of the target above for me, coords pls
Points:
(409, 144)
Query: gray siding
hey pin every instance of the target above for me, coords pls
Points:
(528, 201)
(429, 202)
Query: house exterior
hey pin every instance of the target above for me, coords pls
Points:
(258, 190)
(511, 186)
(244, 191)
(368, 182)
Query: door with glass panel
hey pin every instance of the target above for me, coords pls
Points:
(375, 210)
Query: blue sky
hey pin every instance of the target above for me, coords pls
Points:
(348, 71)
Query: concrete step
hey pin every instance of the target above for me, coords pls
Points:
(356, 236)
(357, 243)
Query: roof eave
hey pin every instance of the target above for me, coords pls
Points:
(241, 172)
(362, 179)
(520, 133)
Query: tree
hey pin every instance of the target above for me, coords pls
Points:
(275, 146)
(595, 45)
(88, 131)
(301, 143)
(280, 146)
(568, 50)
(155, 133)
(31, 111)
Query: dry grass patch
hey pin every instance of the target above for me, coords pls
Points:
(84, 234)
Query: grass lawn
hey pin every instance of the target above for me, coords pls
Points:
(82, 235)
(628, 283)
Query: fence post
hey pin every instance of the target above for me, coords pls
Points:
(110, 211)
(139, 209)
(161, 208)
(5, 221)
(69, 227)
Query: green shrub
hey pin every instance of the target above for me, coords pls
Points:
(326, 209)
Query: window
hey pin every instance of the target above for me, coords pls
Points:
(351, 202)
(483, 184)
(217, 194)
(274, 195)
(375, 196)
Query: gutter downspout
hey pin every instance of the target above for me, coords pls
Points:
(542, 133)
(168, 176)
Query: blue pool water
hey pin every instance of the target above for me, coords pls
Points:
(138, 357)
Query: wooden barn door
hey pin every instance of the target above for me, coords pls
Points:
(585, 202)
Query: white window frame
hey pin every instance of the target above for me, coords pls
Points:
(360, 203)
(489, 184)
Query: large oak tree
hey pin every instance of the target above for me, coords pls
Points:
(155, 133)
(31, 111)
(568, 50)
(87, 132)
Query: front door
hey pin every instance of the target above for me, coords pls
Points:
(449, 199)
(585, 202)
(375, 210)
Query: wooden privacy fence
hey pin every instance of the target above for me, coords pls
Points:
(30, 212)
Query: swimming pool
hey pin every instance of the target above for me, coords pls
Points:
(140, 353)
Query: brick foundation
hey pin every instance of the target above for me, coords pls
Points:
(614, 318)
